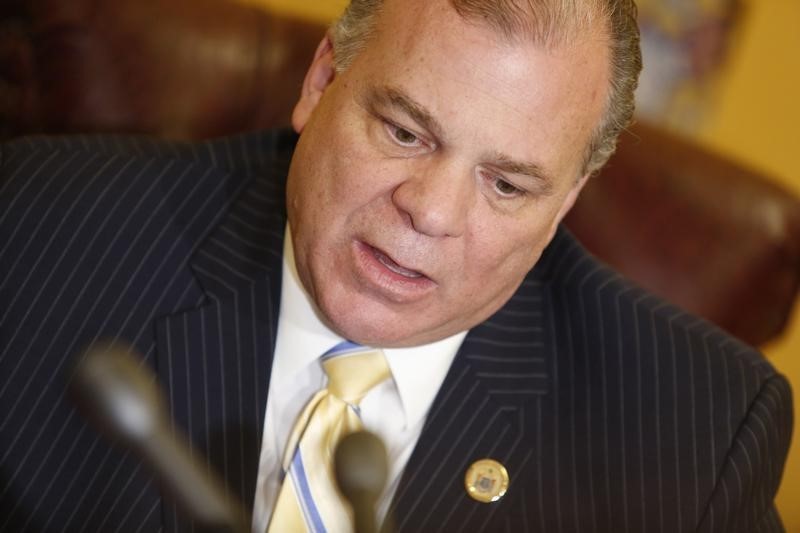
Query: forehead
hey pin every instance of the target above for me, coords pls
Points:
(485, 87)
(549, 24)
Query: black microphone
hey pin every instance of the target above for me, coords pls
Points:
(361, 471)
(119, 394)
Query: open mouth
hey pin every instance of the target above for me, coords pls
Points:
(387, 279)
(387, 261)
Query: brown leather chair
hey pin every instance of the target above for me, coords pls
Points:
(711, 235)
(700, 230)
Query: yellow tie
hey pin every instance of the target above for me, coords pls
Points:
(309, 499)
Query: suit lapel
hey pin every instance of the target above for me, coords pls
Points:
(487, 407)
(215, 359)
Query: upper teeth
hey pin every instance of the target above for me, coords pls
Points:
(394, 267)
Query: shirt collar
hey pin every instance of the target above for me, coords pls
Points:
(419, 371)
(298, 321)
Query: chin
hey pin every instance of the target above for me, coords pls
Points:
(371, 327)
(369, 333)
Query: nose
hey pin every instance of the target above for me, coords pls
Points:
(437, 199)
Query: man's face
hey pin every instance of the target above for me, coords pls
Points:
(431, 174)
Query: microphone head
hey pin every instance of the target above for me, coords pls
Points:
(361, 466)
(119, 395)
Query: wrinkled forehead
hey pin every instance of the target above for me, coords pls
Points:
(524, 100)
(548, 23)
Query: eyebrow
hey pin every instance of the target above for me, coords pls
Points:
(392, 97)
(387, 96)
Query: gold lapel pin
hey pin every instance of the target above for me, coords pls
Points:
(486, 480)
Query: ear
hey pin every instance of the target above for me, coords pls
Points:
(569, 201)
(572, 196)
(319, 76)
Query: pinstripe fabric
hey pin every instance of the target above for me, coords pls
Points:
(130, 239)
(612, 410)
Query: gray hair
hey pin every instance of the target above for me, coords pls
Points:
(547, 22)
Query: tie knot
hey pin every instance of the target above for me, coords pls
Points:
(353, 370)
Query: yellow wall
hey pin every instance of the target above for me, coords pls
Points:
(756, 119)
(319, 10)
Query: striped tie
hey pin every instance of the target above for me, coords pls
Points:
(309, 499)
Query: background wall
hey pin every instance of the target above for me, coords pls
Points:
(321, 10)
(755, 118)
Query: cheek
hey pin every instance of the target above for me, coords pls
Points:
(509, 244)
(503, 257)
(319, 196)
(501, 265)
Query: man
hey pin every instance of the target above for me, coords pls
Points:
(441, 144)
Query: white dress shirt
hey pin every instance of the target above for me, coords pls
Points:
(395, 410)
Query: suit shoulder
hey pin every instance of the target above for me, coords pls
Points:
(616, 310)
(85, 172)
(654, 388)
(256, 149)
(73, 196)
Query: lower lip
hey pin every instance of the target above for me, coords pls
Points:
(388, 283)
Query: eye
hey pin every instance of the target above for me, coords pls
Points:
(506, 189)
(402, 135)
(501, 187)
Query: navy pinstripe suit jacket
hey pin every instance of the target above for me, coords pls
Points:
(612, 410)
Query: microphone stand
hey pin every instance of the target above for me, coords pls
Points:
(118, 393)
